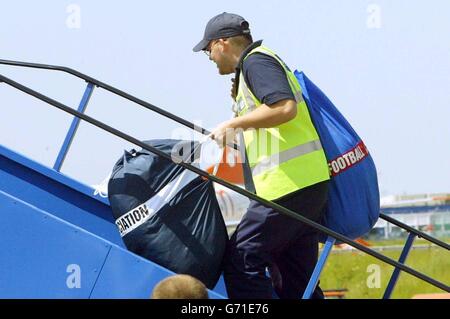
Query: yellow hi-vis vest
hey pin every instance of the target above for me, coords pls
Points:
(287, 157)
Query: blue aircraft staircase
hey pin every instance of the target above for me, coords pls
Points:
(58, 238)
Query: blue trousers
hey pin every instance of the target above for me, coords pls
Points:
(268, 240)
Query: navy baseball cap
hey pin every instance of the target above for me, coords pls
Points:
(224, 25)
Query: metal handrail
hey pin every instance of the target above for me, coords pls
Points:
(108, 88)
(186, 123)
(412, 230)
(235, 188)
(183, 122)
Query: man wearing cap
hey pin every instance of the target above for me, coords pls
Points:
(285, 164)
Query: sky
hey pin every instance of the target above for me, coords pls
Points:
(385, 65)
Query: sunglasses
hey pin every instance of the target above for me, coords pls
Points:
(209, 48)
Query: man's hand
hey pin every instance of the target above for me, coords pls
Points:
(262, 117)
(224, 133)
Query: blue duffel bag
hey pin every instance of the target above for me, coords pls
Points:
(354, 199)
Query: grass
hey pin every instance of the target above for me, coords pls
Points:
(352, 270)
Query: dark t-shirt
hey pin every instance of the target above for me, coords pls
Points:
(266, 79)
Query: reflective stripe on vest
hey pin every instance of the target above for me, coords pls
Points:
(280, 158)
(285, 158)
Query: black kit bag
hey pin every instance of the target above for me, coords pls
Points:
(168, 214)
